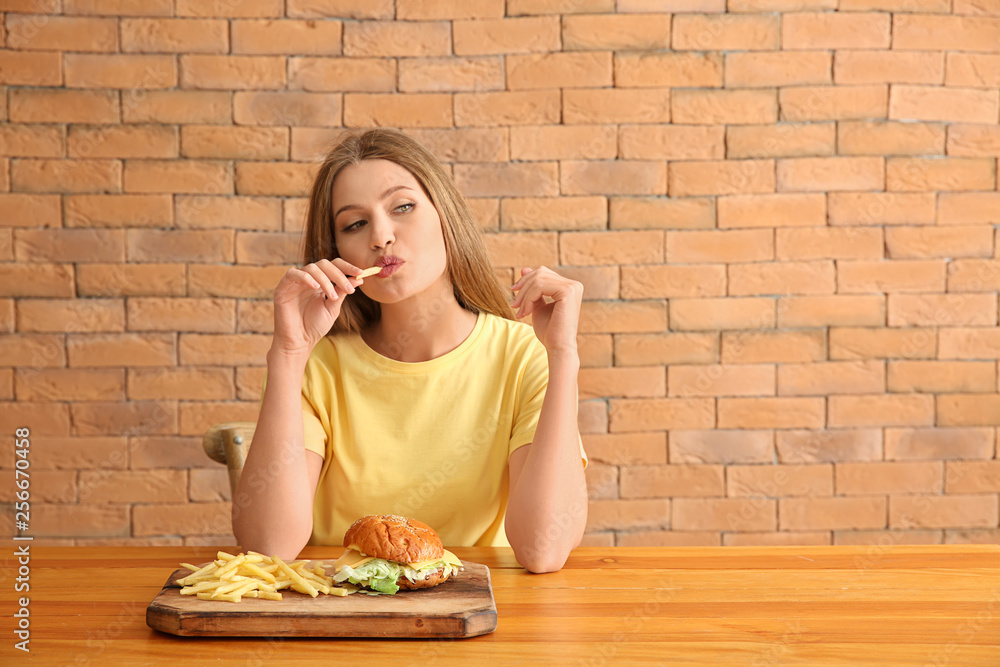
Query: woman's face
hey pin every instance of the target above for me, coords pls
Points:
(381, 216)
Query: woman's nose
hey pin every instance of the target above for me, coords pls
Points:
(381, 232)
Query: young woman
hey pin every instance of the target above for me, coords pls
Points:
(415, 391)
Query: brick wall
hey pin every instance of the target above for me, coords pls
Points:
(784, 212)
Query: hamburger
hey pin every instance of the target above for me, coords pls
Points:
(387, 553)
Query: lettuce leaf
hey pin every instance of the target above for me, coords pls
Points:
(378, 574)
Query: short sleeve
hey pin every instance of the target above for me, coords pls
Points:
(312, 428)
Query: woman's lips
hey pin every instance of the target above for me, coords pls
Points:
(389, 266)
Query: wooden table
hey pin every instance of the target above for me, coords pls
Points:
(859, 606)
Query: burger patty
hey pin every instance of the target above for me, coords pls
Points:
(433, 579)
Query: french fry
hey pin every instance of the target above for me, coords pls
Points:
(369, 272)
(303, 585)
(232, 577)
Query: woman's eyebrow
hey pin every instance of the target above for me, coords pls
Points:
(382, 196)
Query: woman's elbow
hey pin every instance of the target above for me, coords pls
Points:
(539, 561)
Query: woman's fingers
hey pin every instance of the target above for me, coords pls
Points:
(320, 277)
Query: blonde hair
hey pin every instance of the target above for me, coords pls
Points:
(475, 283)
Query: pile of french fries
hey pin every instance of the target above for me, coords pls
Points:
(231, 578)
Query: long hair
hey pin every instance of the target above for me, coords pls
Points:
(476, 285)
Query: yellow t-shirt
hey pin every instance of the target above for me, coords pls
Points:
(428, 440)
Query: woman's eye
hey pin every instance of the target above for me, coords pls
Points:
(404, 208)
(353, 226)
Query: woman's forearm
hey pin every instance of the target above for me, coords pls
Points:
(272, 505)
(547, 510)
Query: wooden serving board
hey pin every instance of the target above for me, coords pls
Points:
(463, 606)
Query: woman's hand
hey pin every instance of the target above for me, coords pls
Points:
(554, 305)
(307, 302)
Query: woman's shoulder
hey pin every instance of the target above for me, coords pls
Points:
(516, 337)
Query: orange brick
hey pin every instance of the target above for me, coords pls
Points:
(178, 107)
(563, 142)
(942, 376)
(262, 213)
(881, 208)
(181, 519)
(721, 177)
(274, 178)
(896, 276)
(223, 350)
(443, 9)
(857, 343)
(616, 106)
(119, 7)
(763, 69)
(722, 313)
(866, 512)
(602, 481)
(102, 350)
(889, 138)
(501, 36)
(287, 37)
(75, 176)
(593, 417)
(23, 68)
(553, 213)
(968, 410)
(919, 174)
(936, 6)
(175, 35)
(650, 414)
(531, 179)
(249, 383)
(75, 520)
(627, 449)
(628, 514)
(728, 514)
(835, 377)
(154, 245)
(7, 317)
(668, 70)
(973, 275)
(752, 413)
(189, 314)
(616, 32)
(951, 511)
(972, 476)
(31, 141)
(722, 380)
(672, 348)
(946, 33)
(286, 108)
(451, 74)
(242, 9)
(773, 346)
(242, 143)
(613, 177)
(816, 277)
(662, 282)
(942, 310)
(44, 419)
(180, 383)
(782, 140)
(973, 140)
(885, 410)
(836, 31)
(198, 417)
(397, 39)
(232, 72)
(693, 247)
(668, 142)
(844, 243)
(858, 66)
(683, 481)
(374, 75)
(121, 141)
(836, 310)
(69, 245)
(725, 107)
(829, 445)
(119, 71)
(105, 280)
(635, 382)
(523, 249)
(889, 477)
(178, 176)
(957, 241)
(463, 145)
(64, 106)
(559, 70)
(61, 33)
(659, 213)
(29, 210)
(784, 480)
(322, 9)
(507, 108)
(599, 283)
(523, 7)
(705, 32)
(819, 103)
(967, 208)
(267, 248)
(938, 443)
(253, 317)
(36, 280)
(629, 317)
(644, 6)
(65, 384)
(597, 350)
(978, 7)
(934, 103)
(830, 173)
(721, 446)
(118, 210)
(972, 70)
(780, 538)
(409, 110)
(96, 486)
(773, 210)
(70, 315)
